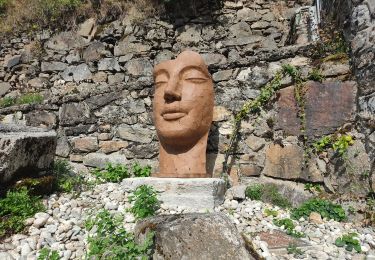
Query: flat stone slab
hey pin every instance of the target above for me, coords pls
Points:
(189, 193)
(25, 151)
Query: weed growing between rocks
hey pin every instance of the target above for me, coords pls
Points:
(48, 254)
(111, 173)
(325, 208)
(65, 179)
(349, 241)
(292, 249)
(145, 202)
(118, 172)
(29, 98)
(267, 193)
(15, 208)
(289, 226)
(339, 143)
(109, 239)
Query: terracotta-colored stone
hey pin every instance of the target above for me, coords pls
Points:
(329, 106)
(315, 218)
(112, 146)
(287, 117)
(85, 144)
(284, 162)
(250, 170)
(234, 176)
(183, 111)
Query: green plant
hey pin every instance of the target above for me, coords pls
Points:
(312, 187)
(111, 173)
(350, 241)
(315, 75)
(30, 98)
(48, 254)
(109, 239)
(15, 208)
(267, 193)
(325, 208)
(289, 226)
(322, 144)
(292, 249)
(254, 191)
(270, 212)
(145, 202)
(7, 102)
(139, 171)
(65, 179)
(342, 143)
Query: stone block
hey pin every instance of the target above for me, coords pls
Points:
(287, 112)
(190, 193)
(284, 162)
(41, 119)
(135, 134)
(194, 236)
(53, 66)
(25, 152)
(4, 88)
(100, 160)
(112, 146)
(73, 113)
(329, 106)
(11, 61)
(85, 144)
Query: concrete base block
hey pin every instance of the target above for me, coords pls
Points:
(189, 193)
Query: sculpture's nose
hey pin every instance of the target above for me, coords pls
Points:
(172, 92)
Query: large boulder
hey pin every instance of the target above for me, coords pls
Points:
(25, 151)
(193, 236)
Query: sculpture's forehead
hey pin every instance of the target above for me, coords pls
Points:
(185, 59)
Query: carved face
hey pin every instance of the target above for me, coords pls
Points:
(183, 100)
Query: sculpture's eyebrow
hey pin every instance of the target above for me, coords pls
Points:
(160, 71)
(196, 68)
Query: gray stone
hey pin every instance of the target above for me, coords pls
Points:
(63, 147)
(163, 56)
(95, 51)
(255, 143)
(222, 75)
(82, 72)
(40, 219)
(25, 151)
(66, 41)
(260, 25)
(135, 134)
(86, 27)
(116, 78)
(73, 113)
(126, 46)
(190, 34)
(110, 64)
(248, 15)
(4, 88)
(100, 160)
(6, 256)
(242, 41)
(214, 59)
(241, 29)
(53, 66)
(139, 67)
(237, 192)
(41, 119)
(12, 61)
(38, 83)
(371, 7)
(194, 236)
(361, 18)
(189, 193)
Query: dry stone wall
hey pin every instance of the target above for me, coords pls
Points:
(97, 88)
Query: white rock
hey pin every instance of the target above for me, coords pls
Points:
(40, 219)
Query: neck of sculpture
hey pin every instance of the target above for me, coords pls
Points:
(187, 163)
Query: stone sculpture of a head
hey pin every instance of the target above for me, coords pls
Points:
(183, 109)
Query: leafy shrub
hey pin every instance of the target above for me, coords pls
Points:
(30, 98)
(270, 212)
(350, 242)
(325, 208)
(7, 102)
(15, 208)
(267, 193)
(145, 201)
(65, 181)
(288, 226)
(111, 241)
(254, 192)
(112, 173)
(48, 254)
(139, 171)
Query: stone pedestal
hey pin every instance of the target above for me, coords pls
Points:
(189, 193)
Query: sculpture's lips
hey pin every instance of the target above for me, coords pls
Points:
(173, 115)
